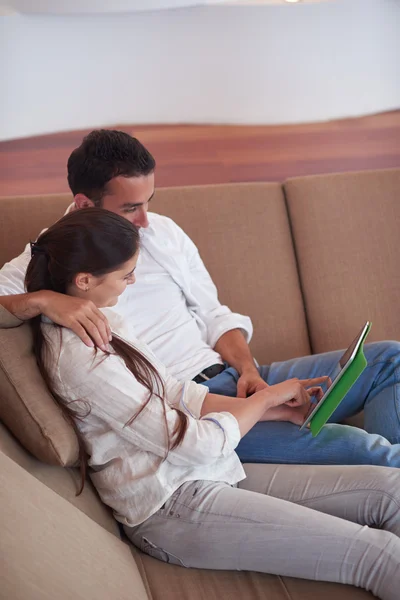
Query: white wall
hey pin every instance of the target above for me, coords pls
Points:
(105, 6)
(229, 64)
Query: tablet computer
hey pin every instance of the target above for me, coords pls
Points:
(346, 373)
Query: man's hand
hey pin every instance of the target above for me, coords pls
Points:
(249, 383)
(78, 314)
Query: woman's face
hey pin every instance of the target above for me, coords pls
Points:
(105, 290)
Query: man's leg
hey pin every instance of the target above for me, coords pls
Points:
(377, 391)
(284, 443)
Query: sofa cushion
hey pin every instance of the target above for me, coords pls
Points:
(26, 216)
(243, 234)
(26, 406)
(50, 550)
(346, 234)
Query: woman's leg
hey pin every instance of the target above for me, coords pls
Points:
(367, 495)
(215, 526)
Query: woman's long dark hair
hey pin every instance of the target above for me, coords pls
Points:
(95, 241)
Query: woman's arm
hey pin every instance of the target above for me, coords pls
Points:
(267, 404)
(115, 396)
(247, 411)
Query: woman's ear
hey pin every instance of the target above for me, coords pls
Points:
(82, 281)
(82, 201)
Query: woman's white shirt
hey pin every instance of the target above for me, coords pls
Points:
(131, 469)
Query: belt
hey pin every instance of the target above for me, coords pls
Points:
(209, 373)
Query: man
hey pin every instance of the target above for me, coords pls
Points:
(174, 308)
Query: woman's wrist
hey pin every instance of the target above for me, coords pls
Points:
(22, 306)
(36, 303)
(39, 300)
(269, 398)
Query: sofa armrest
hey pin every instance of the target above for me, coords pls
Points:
(50, 549)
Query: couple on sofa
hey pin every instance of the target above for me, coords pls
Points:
(170, 399)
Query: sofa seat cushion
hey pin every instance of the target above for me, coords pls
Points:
(26, 406)
(170, 582)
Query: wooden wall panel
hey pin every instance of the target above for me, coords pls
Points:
(204, 154)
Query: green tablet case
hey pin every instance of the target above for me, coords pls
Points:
(338, 392)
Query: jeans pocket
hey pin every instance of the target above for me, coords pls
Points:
(159, 553)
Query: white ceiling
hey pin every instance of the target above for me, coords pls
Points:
(8, 7)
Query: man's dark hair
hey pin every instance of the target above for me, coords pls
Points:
(103, 155)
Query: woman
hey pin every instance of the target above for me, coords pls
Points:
(162, 453)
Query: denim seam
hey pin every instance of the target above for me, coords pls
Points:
(344, 493)
(228, 518)
(261, 461)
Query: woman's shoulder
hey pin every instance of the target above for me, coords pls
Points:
(65, 345)
(69, 352)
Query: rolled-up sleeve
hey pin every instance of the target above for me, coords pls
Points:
(12, 274)
(191, 398)
(115, 396)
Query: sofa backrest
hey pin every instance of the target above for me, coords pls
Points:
(244, 238)
(243, 234)
(346, 231)
(24, 217)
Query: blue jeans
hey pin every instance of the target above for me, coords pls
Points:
(377, 392)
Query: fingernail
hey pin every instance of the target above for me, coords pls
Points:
(103, 347)
(110, 338)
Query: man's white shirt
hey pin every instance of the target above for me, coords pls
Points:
(173, 307)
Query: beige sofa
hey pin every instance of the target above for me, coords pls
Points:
(309, 261)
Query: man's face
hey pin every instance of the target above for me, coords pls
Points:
(130, 197)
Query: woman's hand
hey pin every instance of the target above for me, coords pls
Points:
(295, 392)
(291, 414)
(291, 400)
(78, 314)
